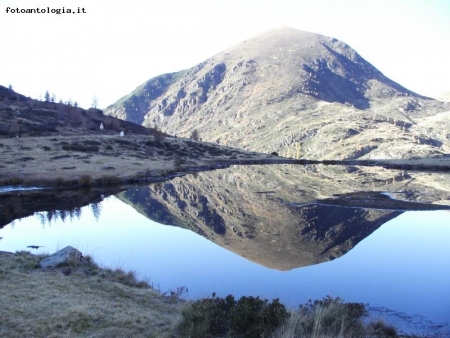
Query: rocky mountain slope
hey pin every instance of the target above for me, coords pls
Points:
(300, 94)
(23, 116)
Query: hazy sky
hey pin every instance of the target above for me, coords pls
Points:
(117, 45)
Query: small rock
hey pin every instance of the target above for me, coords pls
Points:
(69, 256)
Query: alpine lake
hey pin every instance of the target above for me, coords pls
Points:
(364, 234)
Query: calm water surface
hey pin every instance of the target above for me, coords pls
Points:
(403, 265)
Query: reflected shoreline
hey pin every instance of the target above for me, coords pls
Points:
(279, 216)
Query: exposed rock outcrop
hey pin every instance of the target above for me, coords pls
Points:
(69, 256)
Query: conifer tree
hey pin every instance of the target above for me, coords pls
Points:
(195, 135)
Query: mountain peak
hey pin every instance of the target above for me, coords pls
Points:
(258, 94)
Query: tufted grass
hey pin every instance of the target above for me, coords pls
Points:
(86, 301)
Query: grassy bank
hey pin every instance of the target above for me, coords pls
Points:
(90, 301)
(104, 160)
(80, 302)
(107, 160)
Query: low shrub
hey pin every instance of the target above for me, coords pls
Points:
(124, 142)
(85, 181)
(80, 147)
(60, 157)
(177, 293)
(109, 180)
(380, 329)
(178, 162)
(247, 317)
(92, 143)
(126, 278)
(108, 167)
(25, 159)
(15, 180)
(58, 182)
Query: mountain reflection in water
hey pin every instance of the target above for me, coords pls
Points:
(281, 217)
(275, 235)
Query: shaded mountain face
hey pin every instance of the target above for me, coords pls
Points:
(284, 217)
(293, 92)
(23, 116)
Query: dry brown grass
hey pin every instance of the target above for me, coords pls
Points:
(327, 318)
(48, 161)
(43, 161)
(79, 302)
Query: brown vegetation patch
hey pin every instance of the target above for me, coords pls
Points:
(79, 301)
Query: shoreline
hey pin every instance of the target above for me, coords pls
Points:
(151, 176)
(116, 285)
(111, 160)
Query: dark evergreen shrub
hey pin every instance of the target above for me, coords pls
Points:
(247, 317)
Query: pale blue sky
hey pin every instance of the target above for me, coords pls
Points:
(117, 45)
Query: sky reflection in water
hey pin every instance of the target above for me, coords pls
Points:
(403, 265)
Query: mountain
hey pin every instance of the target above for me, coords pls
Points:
(24, 116)
(296, 93)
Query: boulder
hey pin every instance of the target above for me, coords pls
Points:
(69, 256)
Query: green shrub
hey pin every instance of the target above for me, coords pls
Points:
(247, 317)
